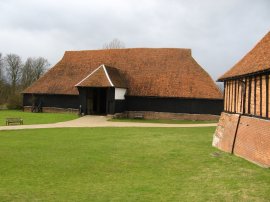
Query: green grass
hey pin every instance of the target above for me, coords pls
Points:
(35, 118)
(124, 164)
(160, 121)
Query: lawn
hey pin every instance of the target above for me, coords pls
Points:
(160, 121)
(124, 164)
(35, 118)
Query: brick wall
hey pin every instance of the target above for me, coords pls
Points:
(252, 140)
(52, 109)
(171, 116)
(225, 132)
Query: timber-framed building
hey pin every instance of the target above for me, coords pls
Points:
(244, 127)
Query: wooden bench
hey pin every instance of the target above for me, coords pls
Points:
(138, 116)
(14, 121)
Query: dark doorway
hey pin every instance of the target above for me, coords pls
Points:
(96, 101)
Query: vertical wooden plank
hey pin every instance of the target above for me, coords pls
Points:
(229, 106)
(258, 96)
(235, 95)
(232, 93)
(224, 95)
(267, 95)
(263, 96)
(241, 83)
(228, 95)
(245, 98)
(249, 94)
(259, 112)
(244, 89)
(254, 95)
(238, 96)
(228, 90)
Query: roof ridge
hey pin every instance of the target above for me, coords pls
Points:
(128, 49)
(107, 75)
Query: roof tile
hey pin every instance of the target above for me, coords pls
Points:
(162, 72)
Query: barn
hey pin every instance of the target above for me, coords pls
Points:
(159, 82)
(244, 125)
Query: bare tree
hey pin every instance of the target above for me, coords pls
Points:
(1, 79)
(13, 64)
(32, 70)
(27, 73)
(114, 44)
(1, 68)
(40, 66)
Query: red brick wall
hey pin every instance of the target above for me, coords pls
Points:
(52, 109)
(225, 132)
(171, 116)
(253, 140)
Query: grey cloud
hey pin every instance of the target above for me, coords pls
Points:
(218, 32)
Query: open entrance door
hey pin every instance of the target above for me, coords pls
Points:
(96, 102)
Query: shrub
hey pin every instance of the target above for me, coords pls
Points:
(14, 102)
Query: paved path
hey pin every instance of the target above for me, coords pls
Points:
(99, 121)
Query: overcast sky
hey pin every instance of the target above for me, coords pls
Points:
(219, 32)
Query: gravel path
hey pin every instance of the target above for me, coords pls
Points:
(99, 121)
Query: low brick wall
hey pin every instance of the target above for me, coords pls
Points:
(253, 140)
(225, 132)
(251, 135)
(170, 116)
(53, 110)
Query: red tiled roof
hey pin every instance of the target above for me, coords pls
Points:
(147, 72)
(258, 59)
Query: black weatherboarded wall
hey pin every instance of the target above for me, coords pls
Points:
(50, 100)
(133, 103)
(174, 105)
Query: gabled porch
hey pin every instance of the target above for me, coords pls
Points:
(102, 91)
